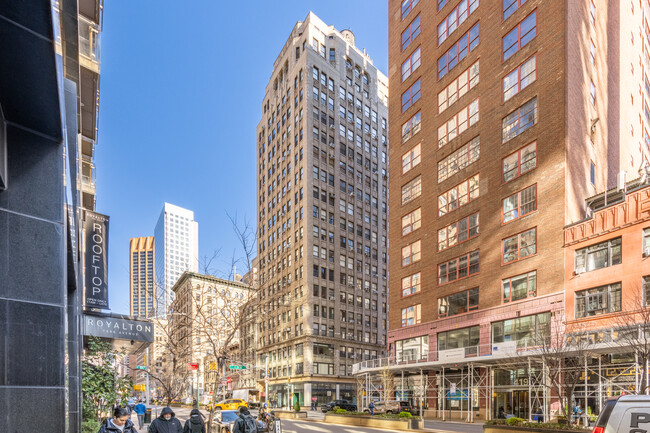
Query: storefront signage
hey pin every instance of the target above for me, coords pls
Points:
(452, 354)
(117, 328)
(96, 260)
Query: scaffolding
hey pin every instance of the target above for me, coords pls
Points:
(461, 390)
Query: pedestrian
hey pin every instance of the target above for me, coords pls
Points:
(194, 423)
(166, 422)
(577, 413)
(539, 415)
(371, 406)
(140, 410)
(120, 422)
(245, 423)
(502, 413)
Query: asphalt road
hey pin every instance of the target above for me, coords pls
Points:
(314, 426)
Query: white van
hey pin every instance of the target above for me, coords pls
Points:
(625, 414)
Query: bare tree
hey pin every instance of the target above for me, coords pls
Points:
(388, 384)
(632, 327)
(247, 236)
(563, 356)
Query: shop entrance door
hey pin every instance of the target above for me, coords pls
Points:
(520, 407)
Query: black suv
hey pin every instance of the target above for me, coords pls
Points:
(343, 404)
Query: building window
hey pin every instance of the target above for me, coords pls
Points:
(411, 315)
(457, 17)
(411, 95)
(441, 4)
(468, 338)
(519, 287)
(599, 300)
(411, 127)
(412, 349)
(459, 195)
(411, 158)
(526, 331)
(520, 78)
(411, 253)
(457, 88)
(411, 284)
(592, 52)
(520, 246)
(592, 173)
(458, 268)
(460, 159)
(519, 120)
(332, 55)
(458, 232)
(510, 6)
(598, 256)
(407, 6)
(592, 93)
(646, 242)
(458, 303)
(520, 35)
(646, 291)
(520, 162)
(411, 221)
(592, 11)
(411, 32)
(458, 52)
(411, 190)
(455, 126)
(411, 64)
(520, 204)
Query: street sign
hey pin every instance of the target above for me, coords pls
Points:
(228, 380)
(140, 367)
(237, 367)
(192, 365)
(213, 366)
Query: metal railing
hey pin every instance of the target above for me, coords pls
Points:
(89, 39)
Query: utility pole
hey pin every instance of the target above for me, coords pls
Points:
(266, 381)
(146, 366)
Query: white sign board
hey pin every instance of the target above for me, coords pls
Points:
(452, 388)
(278, 426)
(507, 347)
(452, 354)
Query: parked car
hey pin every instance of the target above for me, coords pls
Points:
(343, 404)
(625, 414)
(224, 421)
(391, 406)
(230, 404)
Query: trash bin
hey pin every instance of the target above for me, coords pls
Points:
(147, 416)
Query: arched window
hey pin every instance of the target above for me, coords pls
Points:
(348, 64)
(357, 72)
(365, 79)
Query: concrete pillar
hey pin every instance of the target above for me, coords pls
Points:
(307, 394)
(338, 391)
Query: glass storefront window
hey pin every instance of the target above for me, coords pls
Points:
(412, 349)
(526, 331)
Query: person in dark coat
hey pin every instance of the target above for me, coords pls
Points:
(166, 422)
(194, 423)
(119, 423)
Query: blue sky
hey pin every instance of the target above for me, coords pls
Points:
(181, 92)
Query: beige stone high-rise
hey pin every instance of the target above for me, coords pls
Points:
(322, 146)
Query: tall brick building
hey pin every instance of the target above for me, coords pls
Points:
(505, 117)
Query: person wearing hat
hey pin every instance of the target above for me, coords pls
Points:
(166, 422)
(194, 423)
(245, 423)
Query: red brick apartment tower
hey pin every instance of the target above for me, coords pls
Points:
(497, 137)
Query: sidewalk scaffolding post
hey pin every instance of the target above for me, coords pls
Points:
(146, 366)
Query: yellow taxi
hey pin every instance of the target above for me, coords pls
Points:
(231, 404)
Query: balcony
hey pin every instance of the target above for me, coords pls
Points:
(88, 173)
(89, 44)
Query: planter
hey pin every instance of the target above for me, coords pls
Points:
(516, 429)
(290, 414)
(373, 421)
